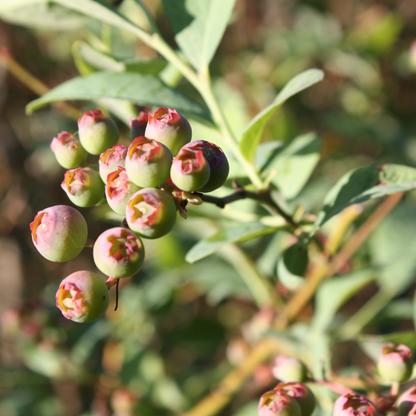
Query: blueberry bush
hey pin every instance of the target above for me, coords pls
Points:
(233, 233)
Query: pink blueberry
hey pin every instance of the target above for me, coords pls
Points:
(111, 160)
(170, 128)
(59, 233)
(278, 403)
(68, 150)
(97, 132)
(138, 125)
(119, 190)
(301, 393)
(352, 404)
(395, 363)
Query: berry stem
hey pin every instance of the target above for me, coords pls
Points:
(89, 243)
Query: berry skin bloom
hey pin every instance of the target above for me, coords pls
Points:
(59, 233)
(277, 403)
(170, 128)
(82, 297)
(354, 405)
(118, 252)
(97, 132)
(395, 363)
(151, 213)
(68, 150)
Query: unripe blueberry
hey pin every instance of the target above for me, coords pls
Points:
(301, 393)
(190, 171)
(138, 125)
(151, 213)
(59, 233)
(119, 190)
(83, 186)
(111, 160)
(148, 162)
(395, 363)
(68, 150)
(118, 252)
(97, 132)
(407, 402)
(82, 297)
(352, 404)
(289, 369)
(170, 128)
(277, 403)
(217, 161)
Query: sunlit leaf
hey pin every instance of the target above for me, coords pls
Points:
(363, 184)
(293, 166)
(199, 26)
(143, 89)
(254, 130)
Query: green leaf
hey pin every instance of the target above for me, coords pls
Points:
(254, 130)
(393, 247)
(294, 165)
(88, 60)
(199, 26)
(140, 89)
(292, 266)
(41, 15)
(365, 183)
(333, 293)
(235, 234)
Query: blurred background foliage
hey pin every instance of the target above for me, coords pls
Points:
(179, 328)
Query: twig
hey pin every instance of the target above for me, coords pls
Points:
(323, 272)
(33, 83)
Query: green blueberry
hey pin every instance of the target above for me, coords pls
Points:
(151, 213)
(97, 132)
(148, 162)
(68, 150)
(118, 252)
(83, 186)
(82, 297)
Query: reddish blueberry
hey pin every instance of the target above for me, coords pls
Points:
(352, 404)
(138, 125)
(277, 403)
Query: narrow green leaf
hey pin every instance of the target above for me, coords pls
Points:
(140, 89)
(254, 130)
(199, 26)
(88, 60)
(363, 184)
(294, 165)
(333, 293)
(227, 236)
(292, 266)
(39, 14)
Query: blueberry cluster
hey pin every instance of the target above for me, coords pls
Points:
(146, 183)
